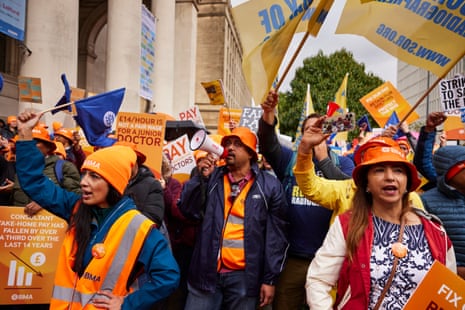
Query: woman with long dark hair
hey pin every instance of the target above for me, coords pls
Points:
(109, 243)
(378, 252)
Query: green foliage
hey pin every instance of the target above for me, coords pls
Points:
(325, 75)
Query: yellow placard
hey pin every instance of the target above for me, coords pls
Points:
(215, 92)
(453, 126)
(29, 248)
(225, 116)
(384, 100)
(145, 130)
(439, 289)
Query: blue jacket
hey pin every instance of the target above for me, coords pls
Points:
(424, 155)
(446, 202)
(265, 227)
(155, 257)
(309, 222)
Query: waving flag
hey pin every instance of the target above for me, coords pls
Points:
(429, 35)
(95, 115)
(215, 92)
(394, 121)
(266, 29)
(1, 82)
(306, 110)
(66, 98)
(364, 122)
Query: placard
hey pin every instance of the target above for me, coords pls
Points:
(29, 248)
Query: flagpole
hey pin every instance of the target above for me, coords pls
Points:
(294, 56)
(428, 91)
(57, 107)
(421, 99)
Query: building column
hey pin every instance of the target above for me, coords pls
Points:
(123, 51)
(185, 54)
(163, 75)
(52, 30)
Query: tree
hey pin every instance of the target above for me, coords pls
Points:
(325, 75)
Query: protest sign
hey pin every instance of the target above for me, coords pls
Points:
(226, 115)
(192, 114)
(181, 157)
(30, 89)
(439, 289)
(452, 93)
(145, 130)
(384, 100)
(30, 248)
(250, 117)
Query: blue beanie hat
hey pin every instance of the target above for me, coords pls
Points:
(446, 157)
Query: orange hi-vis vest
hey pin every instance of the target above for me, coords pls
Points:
(124, 240)
(232, 254)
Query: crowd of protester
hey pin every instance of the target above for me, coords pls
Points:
(265, 226)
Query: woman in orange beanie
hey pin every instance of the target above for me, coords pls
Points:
(377, 252)
(112, 256)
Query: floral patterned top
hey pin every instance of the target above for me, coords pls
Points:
(410, 270)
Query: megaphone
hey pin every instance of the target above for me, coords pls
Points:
(201, 141)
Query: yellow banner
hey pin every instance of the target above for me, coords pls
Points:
(145, 130)
(384, 100)
(439, 289)
(266, 28)
(426, 34)
(29, 248)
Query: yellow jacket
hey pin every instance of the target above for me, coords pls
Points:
(335, 195)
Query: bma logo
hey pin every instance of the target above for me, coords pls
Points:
(109, 118)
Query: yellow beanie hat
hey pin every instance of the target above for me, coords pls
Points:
(113, 163)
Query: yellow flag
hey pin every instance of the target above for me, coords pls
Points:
(341, 99)
(214, 91)
(306, 110)
(429, 35)
(266, 28)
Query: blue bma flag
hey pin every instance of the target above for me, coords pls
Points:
(1, 82)
(95, 115)
(66, 98)
(394, 120)
(364, 122)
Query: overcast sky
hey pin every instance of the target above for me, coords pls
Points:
(376, 60)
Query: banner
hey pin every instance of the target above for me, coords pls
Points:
(384, 100)
(226, 115)
(250, 117)
(266, 29)
(429, 35)
(30, 89)
(30, 247)
(182, 159)
(439, 289)
(145, 130)
(147, 53)
(13, 18)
